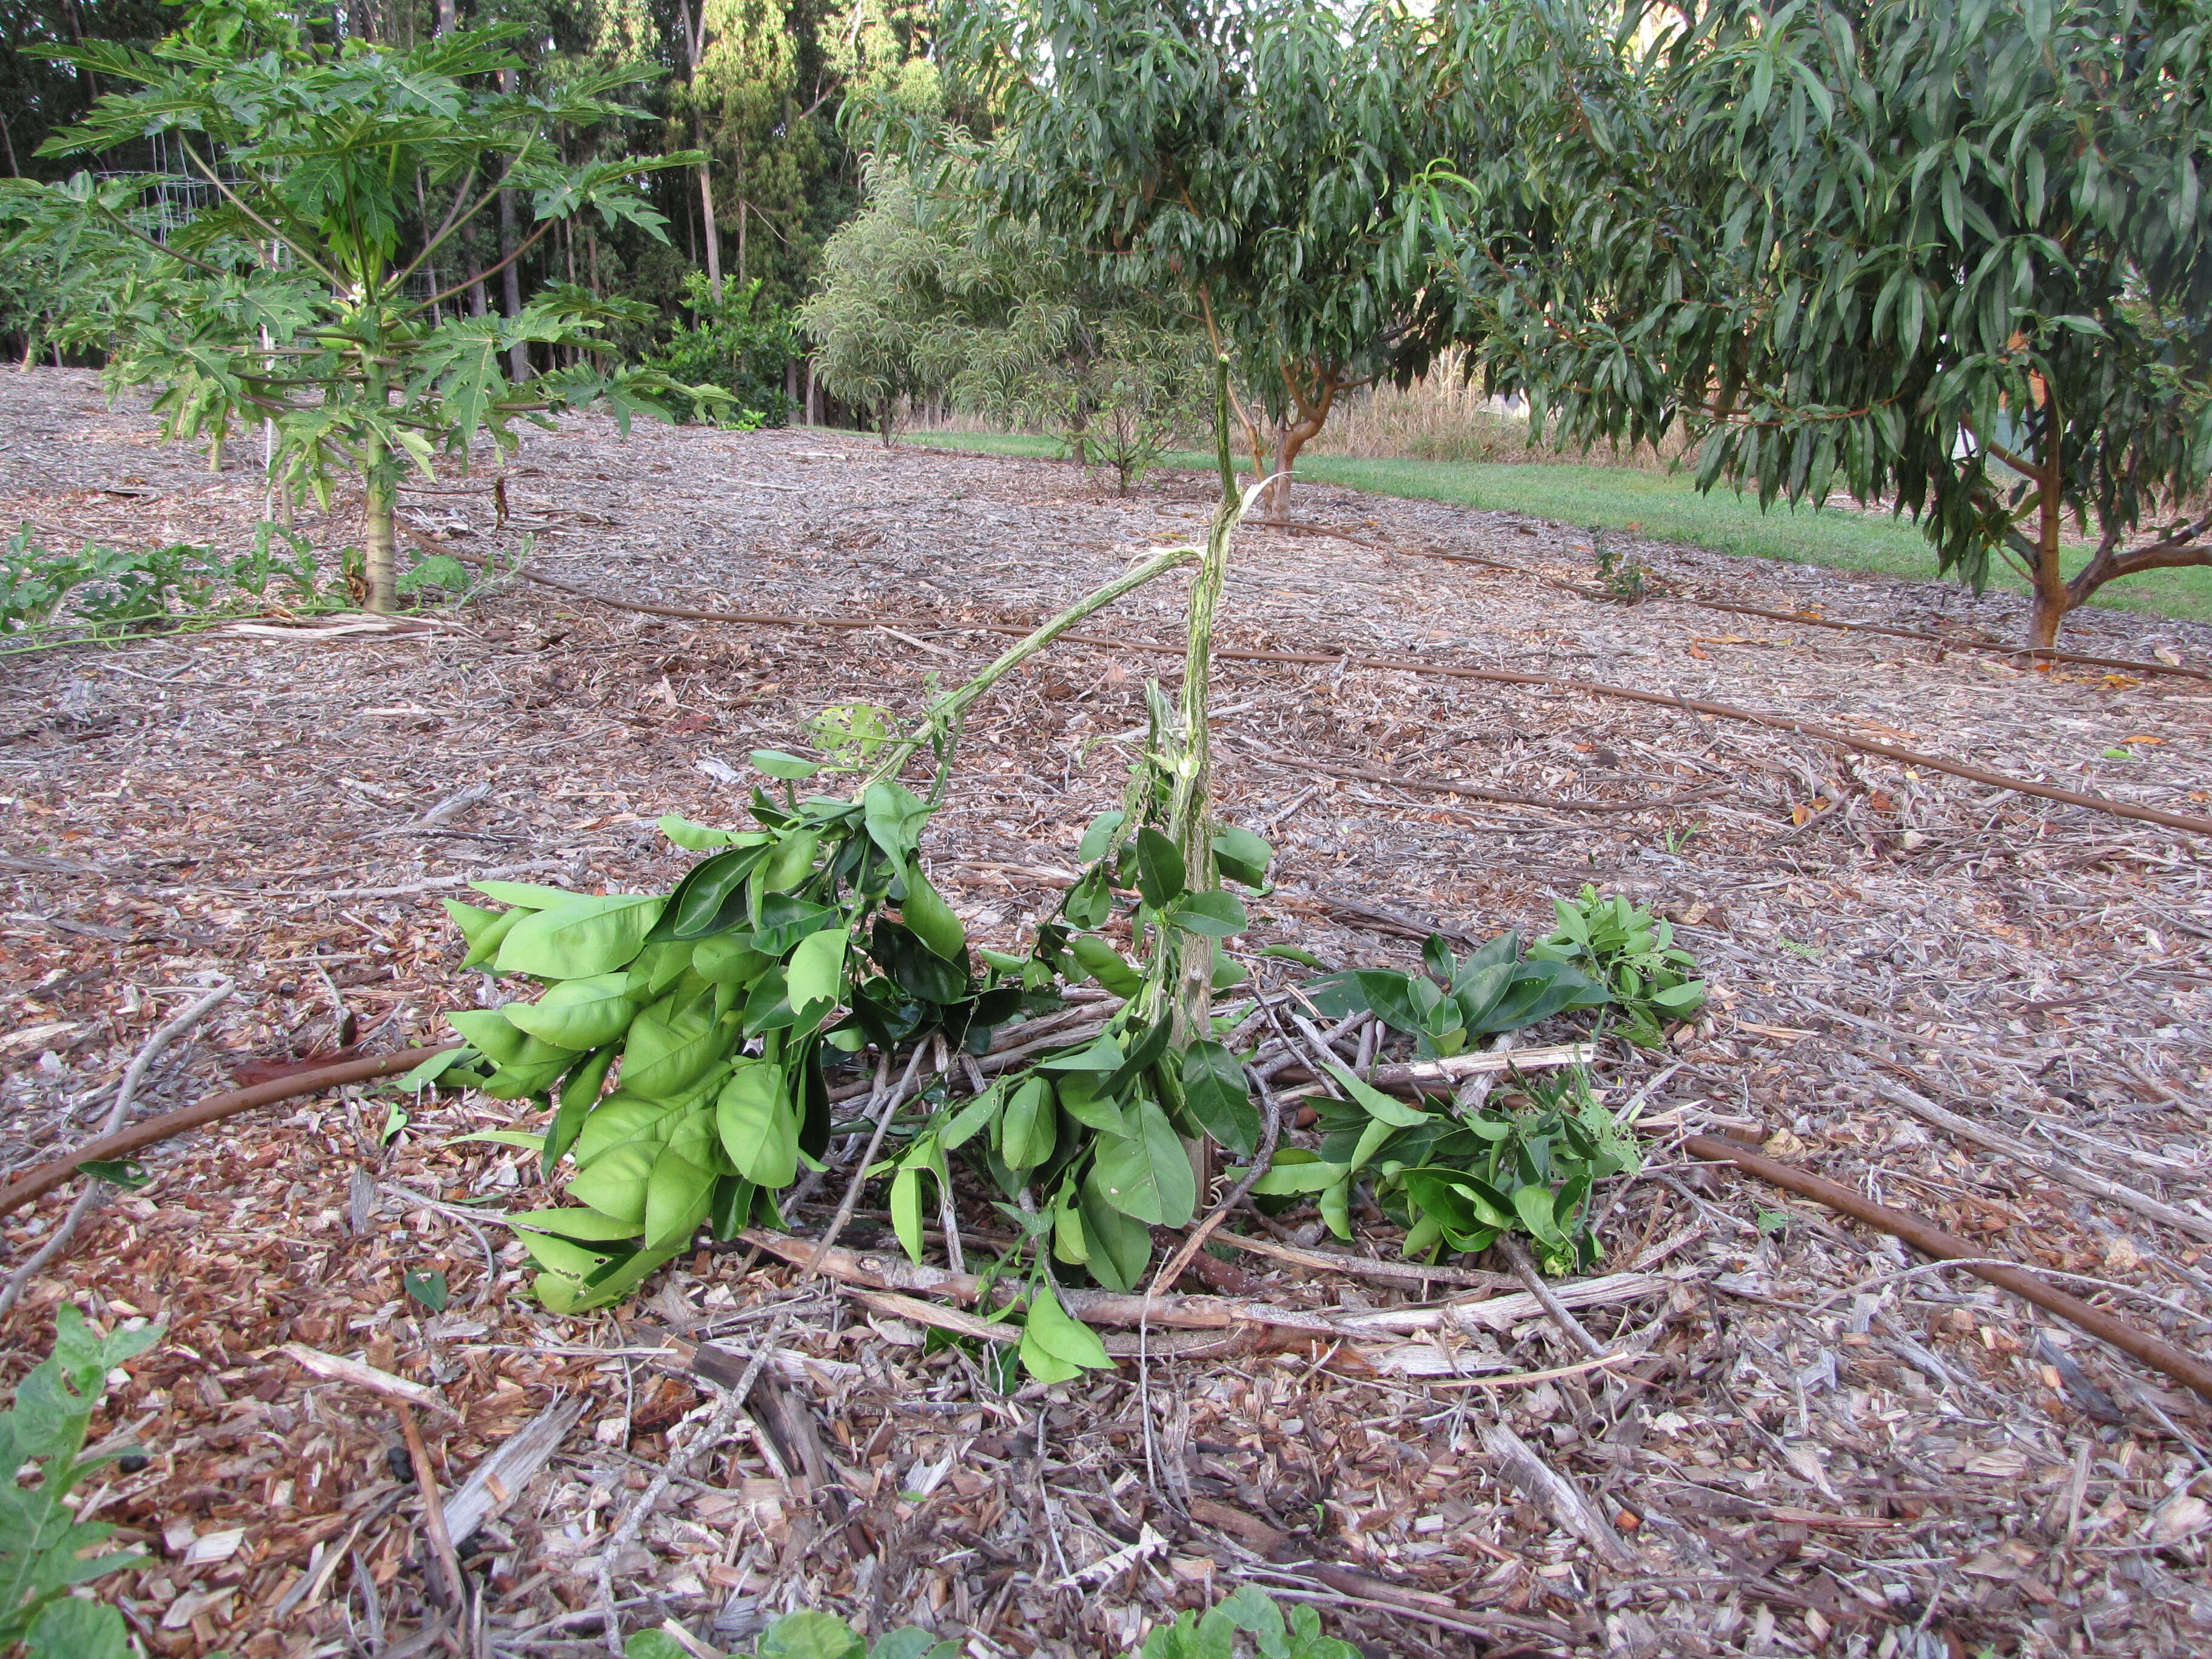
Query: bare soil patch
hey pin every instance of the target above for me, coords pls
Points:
(1804, 1452)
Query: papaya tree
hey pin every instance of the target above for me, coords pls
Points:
(1955, 260)
(326, 179)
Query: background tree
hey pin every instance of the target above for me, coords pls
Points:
(930, 296)
(1953, 259)
(289, 297)
(1243, 157)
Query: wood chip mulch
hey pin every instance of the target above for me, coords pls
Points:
(1804, 1452)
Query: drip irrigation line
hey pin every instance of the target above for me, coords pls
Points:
(1925, 1236)
(45, 1178)
(2192, 822)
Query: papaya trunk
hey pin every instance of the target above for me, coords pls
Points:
(380, 566)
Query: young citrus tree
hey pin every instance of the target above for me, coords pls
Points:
(328, 178)
(1953, 259)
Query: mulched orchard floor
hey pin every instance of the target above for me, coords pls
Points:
(1802, 1459)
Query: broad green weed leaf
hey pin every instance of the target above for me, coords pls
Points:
(810, 1635)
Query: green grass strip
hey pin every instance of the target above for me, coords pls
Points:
(1663, 506)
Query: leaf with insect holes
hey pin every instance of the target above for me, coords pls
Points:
(427, 1286)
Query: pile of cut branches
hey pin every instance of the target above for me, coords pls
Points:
(807, 962)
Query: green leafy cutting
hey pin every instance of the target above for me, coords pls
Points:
(1632, 955)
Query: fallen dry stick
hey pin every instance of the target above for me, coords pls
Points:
(1931, 1240)
(500, 1478)
(434, 1509)
(1558, 1497)
(45, 1178)
(333, 1368)
(1416, 1075)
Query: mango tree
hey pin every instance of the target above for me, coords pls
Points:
(1955, 260)
(327, 178)
(1244, 158)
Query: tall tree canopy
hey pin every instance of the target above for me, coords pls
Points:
(1954, 257)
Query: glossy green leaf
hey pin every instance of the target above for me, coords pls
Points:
(580, 938)
(815, 979)
(578, 1013)
(777, 764)
(1243, 857)
(677, 1195)
(1160, 874)
(1028, 1125)
(1147, 1174)
(1372, 1101)
(759, 1125)
(1105, 964)
(673, 1042)
(1215, 1094)
(1217, 914)
(930, 919)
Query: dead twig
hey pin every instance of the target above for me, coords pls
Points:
(852, 1199)
(434, 1509)
(1534, 1283)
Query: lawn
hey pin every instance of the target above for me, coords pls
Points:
(1665, 506)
